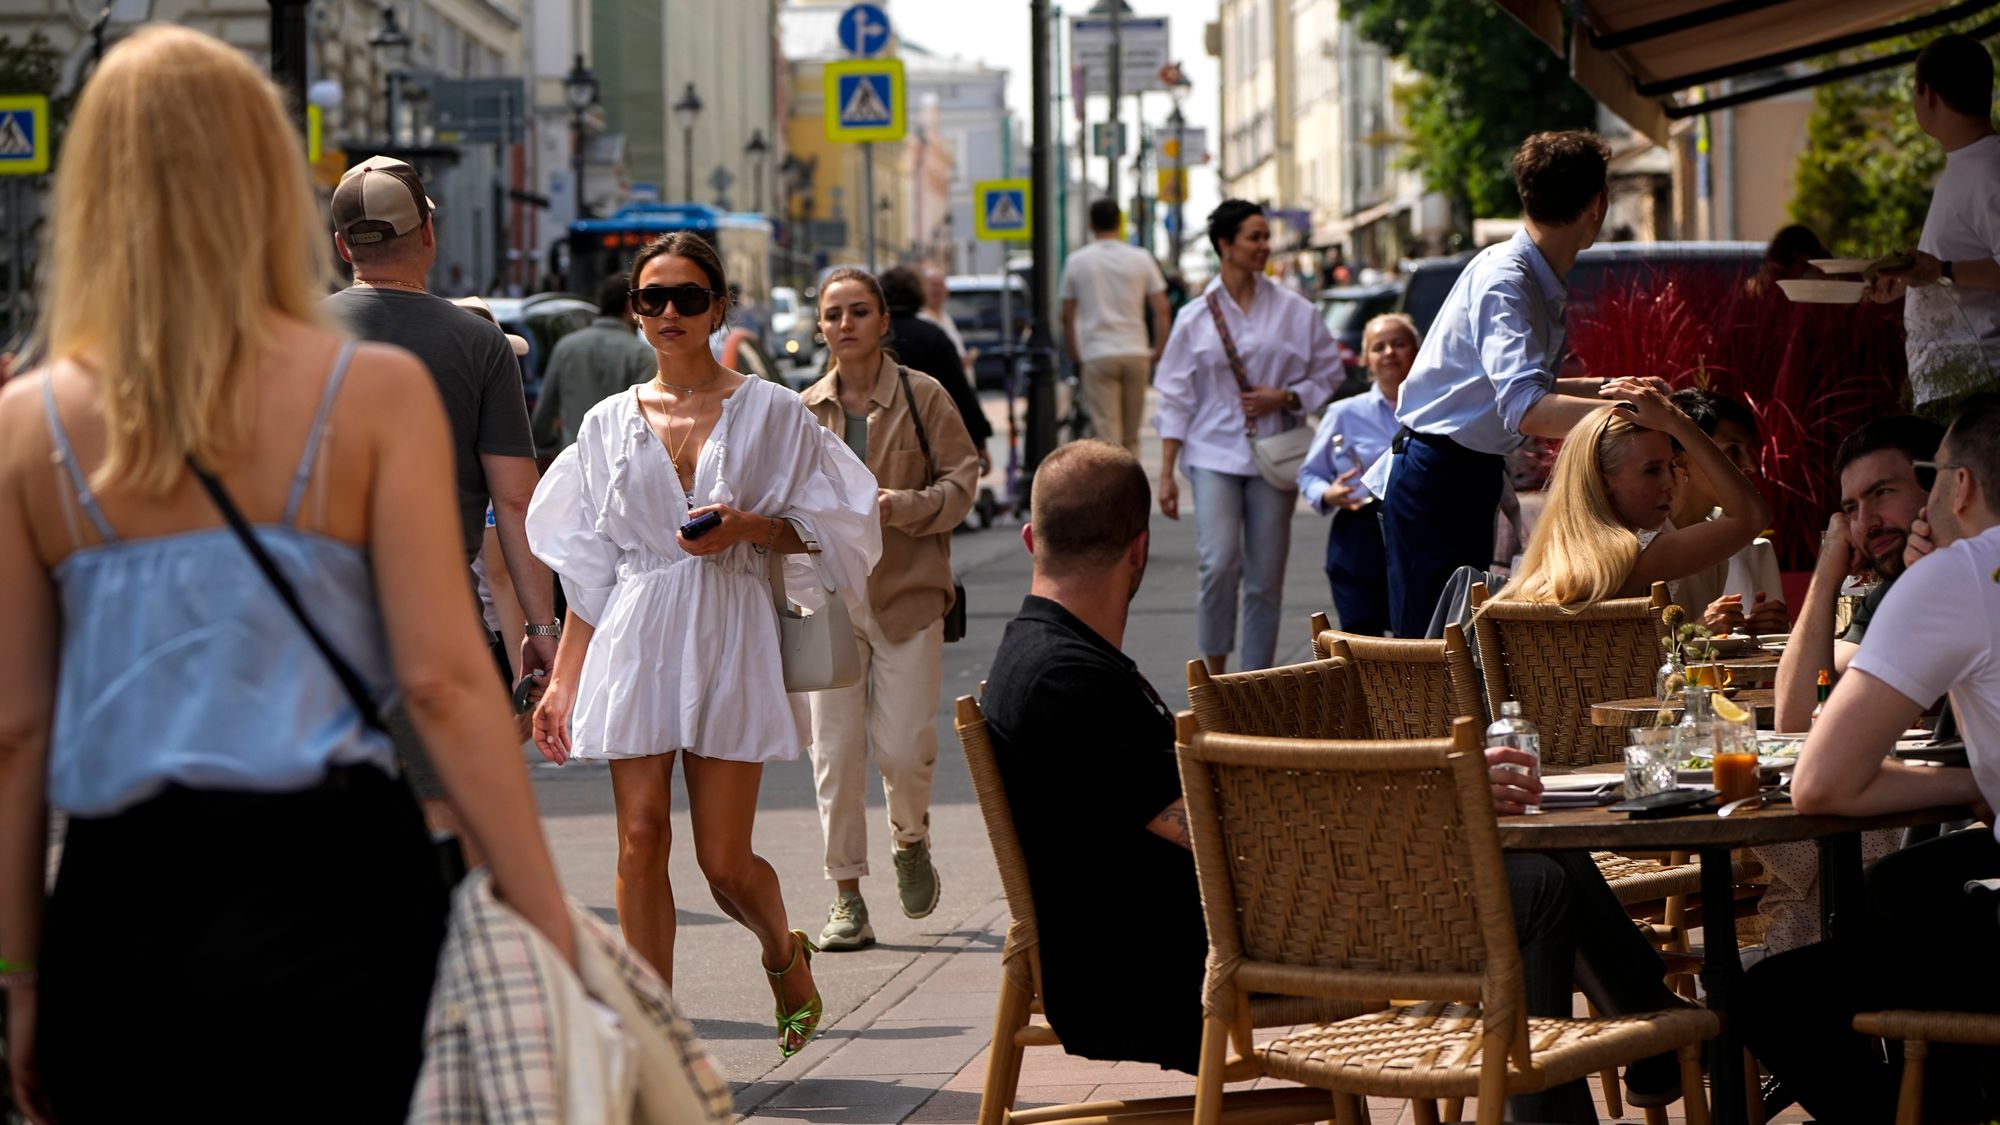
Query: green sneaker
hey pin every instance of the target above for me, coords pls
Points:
(917, 881)
(847, 925)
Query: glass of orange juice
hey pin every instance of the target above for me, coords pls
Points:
(1735, 768)
(1713, 676)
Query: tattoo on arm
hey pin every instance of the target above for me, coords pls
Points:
(1172, 824)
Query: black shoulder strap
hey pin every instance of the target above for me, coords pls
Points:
(917, 418)
(349, 679)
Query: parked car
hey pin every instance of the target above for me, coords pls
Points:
(1429, 280)
(1346, 312)
(1426, 283)
(974, 305)
(541, 319)
(792, 327)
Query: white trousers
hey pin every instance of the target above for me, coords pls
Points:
(889, 715)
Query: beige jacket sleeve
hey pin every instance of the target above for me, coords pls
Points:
(943, 505)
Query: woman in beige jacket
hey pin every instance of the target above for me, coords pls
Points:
(904, 425)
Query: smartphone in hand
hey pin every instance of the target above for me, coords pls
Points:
(701, 525)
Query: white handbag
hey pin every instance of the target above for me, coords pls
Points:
(817, 645)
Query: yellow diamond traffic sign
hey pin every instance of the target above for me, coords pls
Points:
(864, 100)
(24, 134)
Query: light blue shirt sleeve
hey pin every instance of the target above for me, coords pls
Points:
(1317, 471)
(1513, 347)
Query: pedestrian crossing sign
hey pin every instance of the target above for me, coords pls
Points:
(24, 135)
(1002, 210)
(864, 100)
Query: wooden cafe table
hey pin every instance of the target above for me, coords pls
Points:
(1628, 713)
(1712, 838)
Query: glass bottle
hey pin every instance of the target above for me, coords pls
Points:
(1695, 734)
(1516, 733)
(1824, 689)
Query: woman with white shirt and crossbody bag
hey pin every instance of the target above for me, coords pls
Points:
(1242, 366)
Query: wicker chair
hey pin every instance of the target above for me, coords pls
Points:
(1320, 699)
(1918, 1030)
(1371, 870)
(1413, 688)
(1557, 662)
(1021, 988)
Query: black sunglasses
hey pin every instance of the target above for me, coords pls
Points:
(691, 300)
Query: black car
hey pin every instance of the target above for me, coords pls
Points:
(1346, 312)
(974, 305)
(1426, 283)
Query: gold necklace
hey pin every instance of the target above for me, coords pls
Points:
(374, 284)
(674, 452)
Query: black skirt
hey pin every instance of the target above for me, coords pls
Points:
(238, 957)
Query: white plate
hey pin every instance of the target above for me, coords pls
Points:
(1841, 265)
(1736, 644)
(1769, 639)
(1812, 291)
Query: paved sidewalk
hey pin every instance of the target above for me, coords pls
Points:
(916, 1053)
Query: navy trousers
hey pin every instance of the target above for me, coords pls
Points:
(1357, 568)
(1438, 516)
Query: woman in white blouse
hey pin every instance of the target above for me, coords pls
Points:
(671, 642)
(1290, 364)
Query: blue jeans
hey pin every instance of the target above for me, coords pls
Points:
(1358, 571)
(1438, 516)
(1243, 532)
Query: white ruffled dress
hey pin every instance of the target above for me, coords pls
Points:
(685, 653)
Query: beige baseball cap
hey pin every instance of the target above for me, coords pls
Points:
(381, 197)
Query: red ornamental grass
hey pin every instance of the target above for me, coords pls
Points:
(1812, 374)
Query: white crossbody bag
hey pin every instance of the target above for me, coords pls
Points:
(817, 645)
(1279, 456)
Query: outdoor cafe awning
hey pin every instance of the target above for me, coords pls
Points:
(1647, 60)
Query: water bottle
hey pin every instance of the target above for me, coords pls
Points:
(1516, 733)
(1694, 736)
(1341, 452)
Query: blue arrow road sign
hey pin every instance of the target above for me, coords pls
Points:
(864, 30)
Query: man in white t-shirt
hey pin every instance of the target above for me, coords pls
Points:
(1924, 943)
(1951, 319)
(1107, 290)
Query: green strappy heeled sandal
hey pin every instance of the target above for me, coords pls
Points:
(803, 1023)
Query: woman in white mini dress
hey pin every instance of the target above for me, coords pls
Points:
(671, 644)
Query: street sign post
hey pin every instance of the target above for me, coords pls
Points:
(24, 151)
(1142, 46)
(864, 30)
(864, 100)
(1002, 209)
(1188, 146)
(1173, 185)
(1105, 140)
(24, 134)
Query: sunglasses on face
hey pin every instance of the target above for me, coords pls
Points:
(652, 300)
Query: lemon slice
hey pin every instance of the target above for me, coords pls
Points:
(1728, 711)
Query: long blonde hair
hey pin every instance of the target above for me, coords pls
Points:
(1581, 552)
(184, 231)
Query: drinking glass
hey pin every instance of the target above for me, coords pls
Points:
(1649, 763)
(1735, 769)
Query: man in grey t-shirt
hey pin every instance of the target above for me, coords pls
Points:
(382, 225)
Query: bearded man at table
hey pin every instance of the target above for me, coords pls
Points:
(1926, 943)
(1085, 750)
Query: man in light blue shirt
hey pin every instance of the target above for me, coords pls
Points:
(1485, 380)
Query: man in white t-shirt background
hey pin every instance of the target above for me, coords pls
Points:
(1924, 942)
(1951, 319)
(1108, 289)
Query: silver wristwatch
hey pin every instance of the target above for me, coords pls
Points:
(545, 630)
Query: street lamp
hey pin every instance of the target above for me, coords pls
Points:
(393, 45)
(580, 90)
(755, 150)
(686, 109)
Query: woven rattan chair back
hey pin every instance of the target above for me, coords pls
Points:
(1018, 956)
(1319, 699)
(1557, 663)
(1412, 688)
(1350, 869)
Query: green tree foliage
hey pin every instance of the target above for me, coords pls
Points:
(1863, 182)
(1484, 83)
